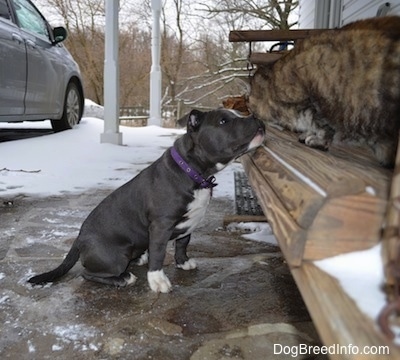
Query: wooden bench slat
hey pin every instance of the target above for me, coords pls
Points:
(338, 319)
(273, 35)
(344, 169)
(345, 224)
(318, 204)
(300, 200)
(289, 234)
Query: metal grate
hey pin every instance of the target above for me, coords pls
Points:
(245, 199)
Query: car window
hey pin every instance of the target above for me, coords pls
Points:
(30, 19)
(4, 10)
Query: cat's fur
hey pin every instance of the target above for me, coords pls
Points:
(343, 83)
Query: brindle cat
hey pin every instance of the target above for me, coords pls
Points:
(343, 84)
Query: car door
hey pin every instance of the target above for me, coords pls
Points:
(45, 70)
(13, 70)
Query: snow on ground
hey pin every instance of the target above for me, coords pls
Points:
(74, 160)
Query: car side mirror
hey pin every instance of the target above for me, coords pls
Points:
(59, 34)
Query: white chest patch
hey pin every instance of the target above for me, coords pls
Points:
(196, 211)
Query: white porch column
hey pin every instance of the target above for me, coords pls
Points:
(155, 73)
(111, 132)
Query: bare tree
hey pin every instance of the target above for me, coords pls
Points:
(272, 14)
(199, 65)
(172, 50)
(84, 20)
(224, 65)
(135, 62)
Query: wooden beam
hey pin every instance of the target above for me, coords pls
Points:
(229, 219)
(273, 35)
(391, 239)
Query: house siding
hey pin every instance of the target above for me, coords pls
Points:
(322, 13)
(361, 9)
(306, 14)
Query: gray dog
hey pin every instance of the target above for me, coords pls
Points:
(165, 201)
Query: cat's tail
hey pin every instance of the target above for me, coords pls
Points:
(69, 261)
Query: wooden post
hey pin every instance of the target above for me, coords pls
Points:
(391, 239)
(155, 73)
(111, 132)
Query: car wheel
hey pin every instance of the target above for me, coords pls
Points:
(72, 109)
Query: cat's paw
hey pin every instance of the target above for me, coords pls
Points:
(315, 142)
(385, 152)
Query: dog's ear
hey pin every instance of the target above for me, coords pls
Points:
(195, 118)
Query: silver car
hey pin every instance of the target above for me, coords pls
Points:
(39, 79)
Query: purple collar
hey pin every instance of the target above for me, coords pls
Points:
(193, 174)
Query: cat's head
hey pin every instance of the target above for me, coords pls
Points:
(256, 101)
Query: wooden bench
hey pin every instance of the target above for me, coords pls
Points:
(270, 35)
(320, 204)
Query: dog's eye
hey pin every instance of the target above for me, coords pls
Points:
(223, 121)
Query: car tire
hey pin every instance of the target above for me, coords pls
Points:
(72, 111)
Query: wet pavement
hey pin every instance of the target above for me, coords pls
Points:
(240, 303)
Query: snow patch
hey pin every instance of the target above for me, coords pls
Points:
(56, 347)
(4, 299)
(361, 276)
(77, 334)
(93, 110)
(31, 348)
(258, 231)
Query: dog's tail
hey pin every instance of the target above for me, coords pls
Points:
(69, 261)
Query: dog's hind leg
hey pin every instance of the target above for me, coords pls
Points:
(125, 279)
(181, 259)
(142, 260)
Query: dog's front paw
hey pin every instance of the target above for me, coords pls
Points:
(187, 265)
(158, 281)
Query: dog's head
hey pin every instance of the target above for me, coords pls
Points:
(220, 136)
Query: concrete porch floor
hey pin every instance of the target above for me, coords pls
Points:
(240, 303)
